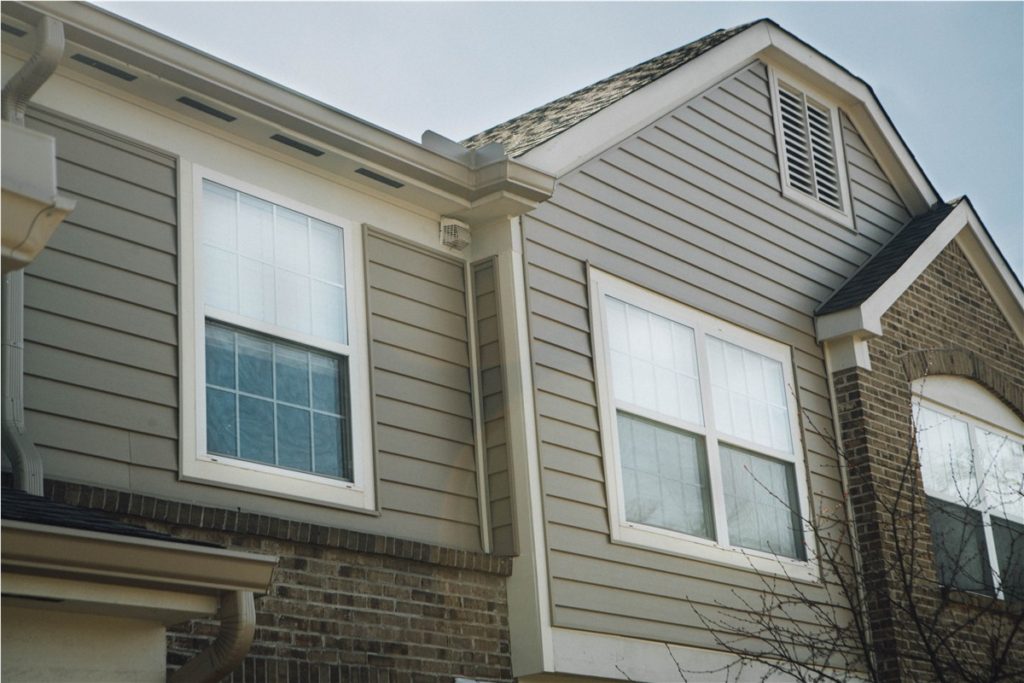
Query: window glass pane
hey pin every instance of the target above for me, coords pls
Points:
(947, 462)
(268, 419)
(1009, 540)
(220, 422)
(256, 429)
(749, 395)
(664, 477)
(761, 504)
(292, 368)
(256, 228)
(255, 289)
(958, 541)
(327, 252)
(293, 438)
(272, 264)
(219, 216)
(1002, 473)
(291, 241)
(326, 385)
(327, 443)
(220, 278)
(328, 308)
(653, 361)
(220, 357)
(255, 371)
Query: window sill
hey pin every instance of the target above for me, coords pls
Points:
(981, 601)
(841, 218)
(703, 550)
(255, 477)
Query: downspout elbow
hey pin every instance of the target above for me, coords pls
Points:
(226, 652)
(39, 67)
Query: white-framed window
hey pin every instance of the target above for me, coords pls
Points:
(971, 449)
(275, 370)
(812, 163)
(700, 432)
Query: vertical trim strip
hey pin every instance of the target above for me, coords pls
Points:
(483, 494)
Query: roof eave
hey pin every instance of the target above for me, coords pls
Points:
(451, 185)
(962, 225)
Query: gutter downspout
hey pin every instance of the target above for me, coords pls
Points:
(225, 653)
(26, 464)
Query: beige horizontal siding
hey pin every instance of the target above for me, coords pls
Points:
(691, 208)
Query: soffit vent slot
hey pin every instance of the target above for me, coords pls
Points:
(13, 30)
(104, 67)
(206, 109)
(295, 144)
(390, 182)
(809, 143)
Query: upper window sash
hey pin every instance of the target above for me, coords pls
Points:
(827, 194)
(603, 285)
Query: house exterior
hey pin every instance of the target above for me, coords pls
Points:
(577, 397)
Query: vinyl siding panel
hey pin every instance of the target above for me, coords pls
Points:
(102, 358)
(422, 392)
(691, 208)
(101, 352)
(496, 454)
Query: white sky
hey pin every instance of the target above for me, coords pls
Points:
(950, 75)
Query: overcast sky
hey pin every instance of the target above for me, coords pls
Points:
(950, 75)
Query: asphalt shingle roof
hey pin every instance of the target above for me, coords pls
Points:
(887, 260)
(523, 133)
(19, 506)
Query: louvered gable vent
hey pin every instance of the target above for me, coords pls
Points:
(809, 147)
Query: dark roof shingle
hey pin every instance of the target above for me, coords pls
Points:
(887, 260)
(523, 133)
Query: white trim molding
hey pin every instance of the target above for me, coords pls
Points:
(717, 547)
(852, 327)
(773, 45)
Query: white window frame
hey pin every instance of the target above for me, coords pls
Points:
(636, 534)
(960, 399)
(196, 464)
(844, 217)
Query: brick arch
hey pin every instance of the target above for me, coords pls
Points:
(964, 363)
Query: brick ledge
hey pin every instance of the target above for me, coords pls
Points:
(254, 524)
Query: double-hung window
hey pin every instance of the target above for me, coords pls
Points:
(972, 466)
(703, 453)
(281, 367)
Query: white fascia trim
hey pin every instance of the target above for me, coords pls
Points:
(178, 63)
(774, 46)
(76, 553)
(963, 225)
(618, 121)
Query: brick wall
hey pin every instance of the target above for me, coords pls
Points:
(344, 606)
(945, 323)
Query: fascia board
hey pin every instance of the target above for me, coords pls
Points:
(962, 224)
(77, 553)
(992, 269)
(168, 59)
(632, 113)
(772, 44)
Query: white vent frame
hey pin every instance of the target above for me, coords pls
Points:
(844, 214)
(454, 234)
